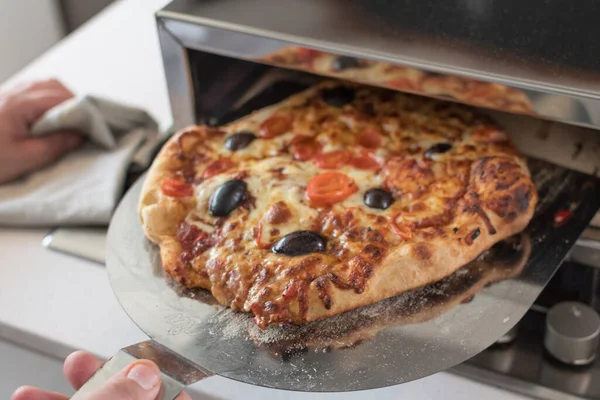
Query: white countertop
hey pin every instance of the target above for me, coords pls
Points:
(56, 303)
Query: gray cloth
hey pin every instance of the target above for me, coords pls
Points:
(83, 187)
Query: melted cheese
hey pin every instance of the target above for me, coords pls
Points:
(409, 127)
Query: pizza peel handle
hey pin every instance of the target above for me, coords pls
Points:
(177, 373)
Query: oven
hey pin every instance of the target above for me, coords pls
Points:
(530, 65)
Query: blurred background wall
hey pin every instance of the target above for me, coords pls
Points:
(76, 12)
(30, 27)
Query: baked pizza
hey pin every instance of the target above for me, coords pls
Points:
(384, 74)
(338, 197)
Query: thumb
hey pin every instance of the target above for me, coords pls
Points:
(139, 381)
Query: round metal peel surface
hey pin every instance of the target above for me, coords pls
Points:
(395, 341)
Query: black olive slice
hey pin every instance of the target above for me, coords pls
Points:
(299, 243)
(239, 140)
(378, 198)
(438, 148)
(343, 62)
(227, 198)
(338, 96)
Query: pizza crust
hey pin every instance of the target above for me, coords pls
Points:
(159, 215)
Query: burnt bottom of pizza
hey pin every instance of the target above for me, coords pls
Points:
(336, 198)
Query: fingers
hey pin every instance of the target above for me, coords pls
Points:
(31, 393)
(44, 84)
(19, 109)
(40, 151)
(27, 155)
(26, 103)
(139, 381)
(79, 367)
(54, 84)
(31, 105)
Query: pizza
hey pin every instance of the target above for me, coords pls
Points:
(384, 74)
(335, 198)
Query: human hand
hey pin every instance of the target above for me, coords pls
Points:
(138, 381)
(20, 107)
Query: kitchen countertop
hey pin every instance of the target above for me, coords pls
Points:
(54, 303)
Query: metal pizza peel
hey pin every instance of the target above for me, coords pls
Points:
(392, 342)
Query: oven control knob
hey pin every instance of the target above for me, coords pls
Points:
(572, 333)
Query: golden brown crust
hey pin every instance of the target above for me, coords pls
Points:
(458, 183)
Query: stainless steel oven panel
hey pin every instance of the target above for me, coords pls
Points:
(252, 30)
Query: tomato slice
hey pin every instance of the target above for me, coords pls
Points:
(370, 138)
(365, 161)
(275, 125)
(330, 188)
(305, 150)
(306, 55)
(401, 230)
(300, 138)
(188, 234)
(561, 217)
(290, 291)
(333, 159)
(218, 166)
(176, 188)
(258, 238)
